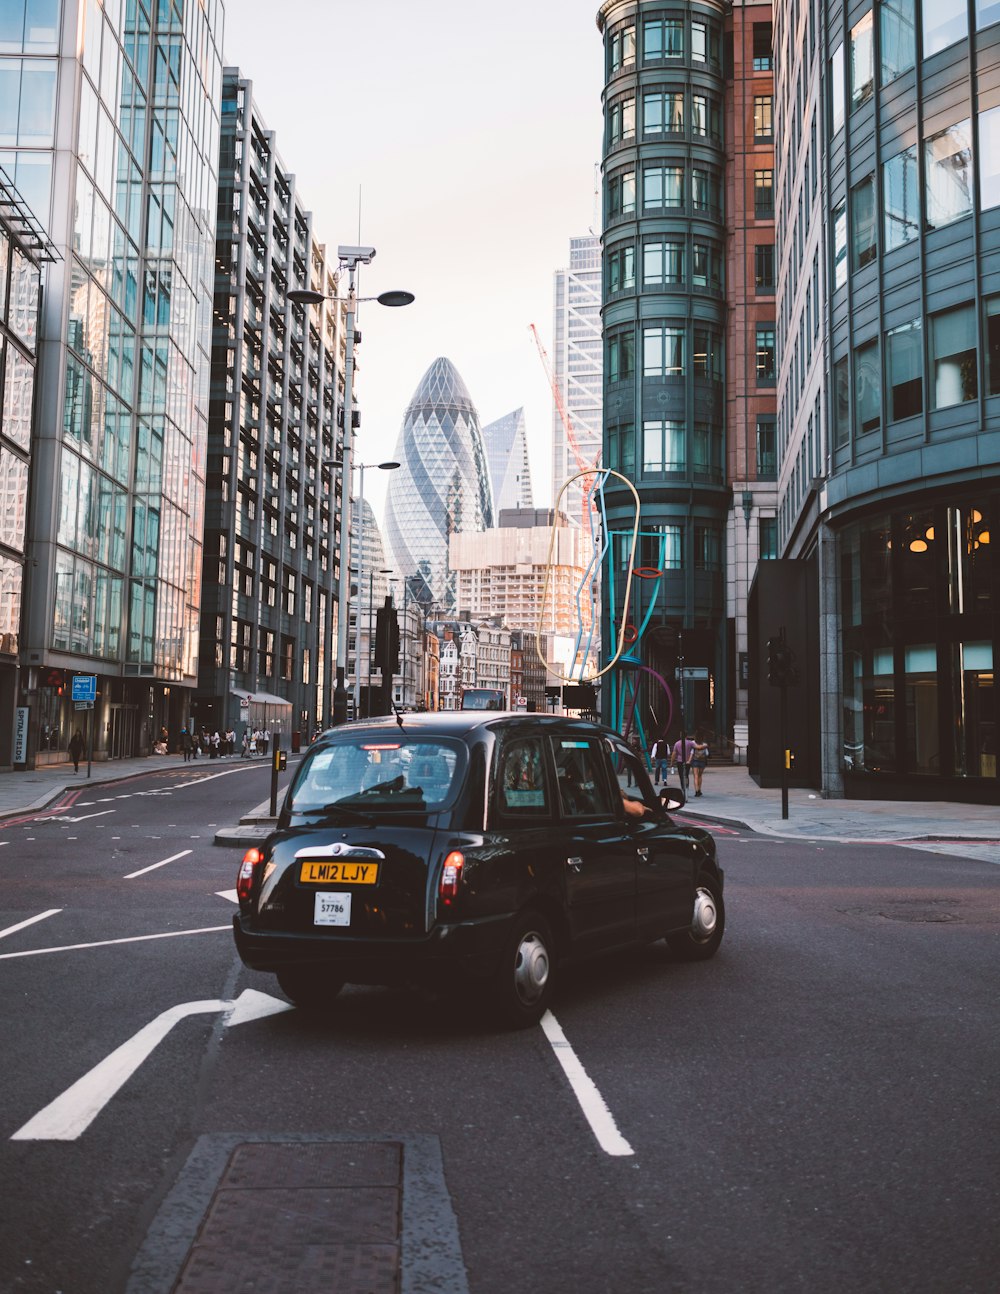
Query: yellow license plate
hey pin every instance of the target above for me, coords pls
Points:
(342, 872)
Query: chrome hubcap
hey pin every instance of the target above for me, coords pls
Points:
(706, 915)
(531, 968)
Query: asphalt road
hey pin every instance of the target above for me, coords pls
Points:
(813, 1110)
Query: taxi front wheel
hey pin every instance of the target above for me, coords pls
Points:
(310, 989)
(522, 984)
(703, 936)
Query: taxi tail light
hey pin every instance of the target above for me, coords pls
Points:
(252, 859)
(451, 876)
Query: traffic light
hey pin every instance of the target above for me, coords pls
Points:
(781, 670)
(387, 641)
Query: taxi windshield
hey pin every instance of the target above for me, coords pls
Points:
(365, 776)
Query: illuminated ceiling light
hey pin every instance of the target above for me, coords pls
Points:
(984, 537)
(976, 515)
(929, 532)
(918, 545)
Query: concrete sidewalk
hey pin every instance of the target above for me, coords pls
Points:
(731, 798)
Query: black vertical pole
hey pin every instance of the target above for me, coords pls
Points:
(682, 773)
(784, 749)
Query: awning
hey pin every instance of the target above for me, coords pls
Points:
(260, 698)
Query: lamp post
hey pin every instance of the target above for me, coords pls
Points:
(350, 258)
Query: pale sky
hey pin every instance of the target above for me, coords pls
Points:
(471, 130)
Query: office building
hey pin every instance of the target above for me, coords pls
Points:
(888, 196)
(576, 371)
(506, 445)
(268, 624)
(443, 487)
(689, 347)
(110, 121)
(24, 252)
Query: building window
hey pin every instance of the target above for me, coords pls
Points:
(944, 23)
(863, 223)
(663, 112)
(897, 42)
(762, 47)
(953, 356)
(841, 402)
(663, 446)
(706, 192)
(621, 269)
(767, 450)
(662, 38)
(904, 370)
(707, 548)
(767, 539)
(704, 43)
(992, 333)
(867, 389)
(662, 187)
(763, 267)
(840, 246)
(987, 13)
(662, 263)
(621, 193)
(862, 61)
(989, 156)
(765, 356)
(763, 126)
(707, 355)
(706, 267)
(621, 121)
(948, 166)
(763, 195)
(621, 356)
(704, 116)
(662, 351)
(707, 451)
(622, 48)
(900, 199)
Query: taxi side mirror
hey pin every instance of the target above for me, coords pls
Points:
(672, 798)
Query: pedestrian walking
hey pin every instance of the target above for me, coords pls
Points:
(680, 759)
(699, 759)
(265, 738)
(659, 757)
(76, 748)
(185, 744)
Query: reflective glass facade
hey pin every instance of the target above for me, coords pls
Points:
(443, 486)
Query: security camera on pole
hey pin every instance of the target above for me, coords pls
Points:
(350, 258)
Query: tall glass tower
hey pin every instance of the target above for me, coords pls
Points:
(443, 486)
(112, 116)
(506, 445)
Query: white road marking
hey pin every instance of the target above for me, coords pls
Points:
(31, 921)
(231, 895)
(108, 943)
(65, 1118)
(592, 1104)
(153, 866)
(83, 817)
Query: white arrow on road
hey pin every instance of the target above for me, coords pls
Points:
(72, 1113)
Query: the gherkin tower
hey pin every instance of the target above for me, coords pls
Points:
(444, 484)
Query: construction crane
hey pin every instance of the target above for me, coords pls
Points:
(583, 465)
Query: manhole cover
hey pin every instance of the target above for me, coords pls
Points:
(921, 910)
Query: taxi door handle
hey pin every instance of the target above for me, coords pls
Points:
(574, 863)
(642, 851)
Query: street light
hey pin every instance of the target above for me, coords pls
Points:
(349, 258)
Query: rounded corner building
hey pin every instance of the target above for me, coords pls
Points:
(444, 484)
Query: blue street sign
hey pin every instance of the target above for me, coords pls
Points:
(84, 687)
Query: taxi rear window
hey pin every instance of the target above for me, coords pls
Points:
(367, 774)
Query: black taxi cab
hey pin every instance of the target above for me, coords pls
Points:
(473, 848)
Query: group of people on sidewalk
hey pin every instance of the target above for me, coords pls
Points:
(222, 745)
(688, 758)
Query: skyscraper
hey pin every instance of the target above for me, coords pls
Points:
(507, 457)
(576, 370)
(114, 114)
(443, 487)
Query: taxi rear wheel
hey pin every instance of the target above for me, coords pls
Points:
(523, 982)
(311, 988)
(703, 936)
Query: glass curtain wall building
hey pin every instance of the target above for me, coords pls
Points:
(24, 250)
(576, 370)
(905, 422)
(665, 318)
(112, 109)
(506, 444)
(274, 480)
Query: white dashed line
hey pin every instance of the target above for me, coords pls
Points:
(592, 1104)
(153, 866)
(108, 943)
(31, 921)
